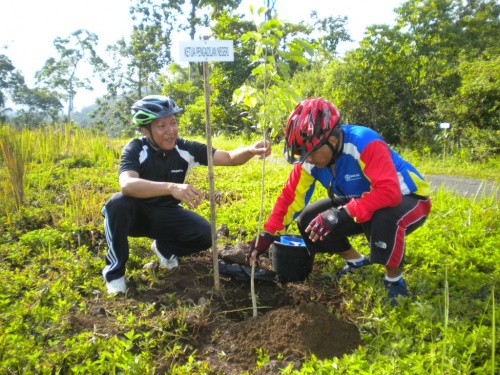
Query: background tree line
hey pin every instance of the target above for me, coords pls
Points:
(440, 62)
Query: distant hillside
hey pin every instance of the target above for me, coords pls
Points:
(82, 118)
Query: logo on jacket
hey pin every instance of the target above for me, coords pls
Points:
(381, 244)
(177, 171)
(352, 177)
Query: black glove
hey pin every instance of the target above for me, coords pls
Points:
(324, 223)
(265, 241)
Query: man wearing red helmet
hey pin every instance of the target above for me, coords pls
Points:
(371, 190)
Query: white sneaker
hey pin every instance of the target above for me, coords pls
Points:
(170, 263)
(116, 286)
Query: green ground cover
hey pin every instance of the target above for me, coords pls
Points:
(52, 251)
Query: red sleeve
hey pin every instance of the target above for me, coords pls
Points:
(291, 201)
(377, 165)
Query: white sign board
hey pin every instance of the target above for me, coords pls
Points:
(206, 50)
(444, 125)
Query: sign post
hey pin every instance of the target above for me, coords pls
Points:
(205, 51)
(445, 126)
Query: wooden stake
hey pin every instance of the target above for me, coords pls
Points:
(208, 127)
(252, 290)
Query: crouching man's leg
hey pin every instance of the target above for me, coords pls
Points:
(177, 232)
(387, 231)
(121, 218)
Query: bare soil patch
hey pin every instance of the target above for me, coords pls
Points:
(294, 320)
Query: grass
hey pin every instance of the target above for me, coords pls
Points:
(457, 164)
(14, 157)
(52, 251)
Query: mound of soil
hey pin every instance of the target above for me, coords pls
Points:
(291, 333)
(288, 326)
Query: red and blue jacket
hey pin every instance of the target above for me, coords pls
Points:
(368, 172)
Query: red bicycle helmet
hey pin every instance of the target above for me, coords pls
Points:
(308, 128)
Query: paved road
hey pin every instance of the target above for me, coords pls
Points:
(468, 187)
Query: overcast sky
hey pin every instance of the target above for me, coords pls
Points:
(29, 27)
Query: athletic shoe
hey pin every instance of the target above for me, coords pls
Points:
(116, 286)
(396, 289)
(351, 267)
(169, 263)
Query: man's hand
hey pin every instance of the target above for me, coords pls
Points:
(260, 148)
(241, 155)
(258, 246)
(322, 225)
(188, 194)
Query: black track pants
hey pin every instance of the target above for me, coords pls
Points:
(177, 231)
(386, 231)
